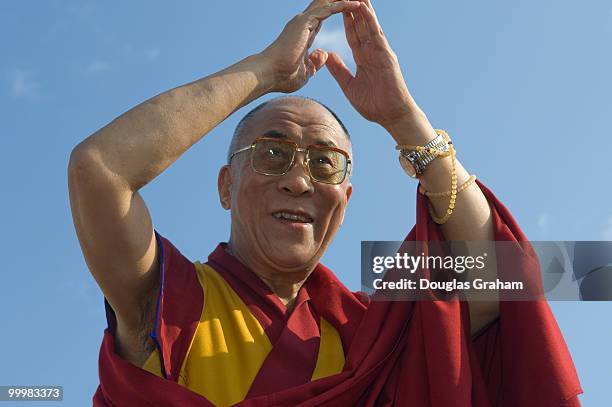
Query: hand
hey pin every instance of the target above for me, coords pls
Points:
(378, 90)
(288, 59)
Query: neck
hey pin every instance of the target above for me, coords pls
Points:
(284, 283)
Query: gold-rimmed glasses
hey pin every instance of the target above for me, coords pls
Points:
(275, 157)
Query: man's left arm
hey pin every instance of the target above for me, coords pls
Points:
(379, 93)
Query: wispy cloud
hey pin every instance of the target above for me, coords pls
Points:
(23, 86)
(97, 66)
(334, 39)
(607, 231)
(152, 53)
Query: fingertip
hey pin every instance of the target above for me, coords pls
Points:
(366, 10)
(354, 5)
(334, 62)
(333, 56)
(318, 57)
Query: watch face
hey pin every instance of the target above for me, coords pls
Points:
(407, 166)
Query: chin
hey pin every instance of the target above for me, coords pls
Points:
(292, 255)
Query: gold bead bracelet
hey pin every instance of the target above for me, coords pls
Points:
(461, 188)
(453, 193)
(453, 188)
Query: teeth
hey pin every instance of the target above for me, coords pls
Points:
(291, 216)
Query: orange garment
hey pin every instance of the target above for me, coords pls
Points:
(230, 345)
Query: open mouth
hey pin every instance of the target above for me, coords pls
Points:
(293, 216)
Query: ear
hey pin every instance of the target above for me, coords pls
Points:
(349, 192)
(224, 184)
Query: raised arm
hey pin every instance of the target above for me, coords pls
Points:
(379, 93)
(108, 168)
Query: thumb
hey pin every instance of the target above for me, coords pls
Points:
(339, 70)
(318, 58)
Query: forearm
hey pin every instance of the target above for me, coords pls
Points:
(141, 143)
(471, 218)
(379, 93)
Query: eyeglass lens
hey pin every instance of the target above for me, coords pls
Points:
(275, 157)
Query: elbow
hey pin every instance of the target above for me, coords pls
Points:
(88, 170)
(82, 161)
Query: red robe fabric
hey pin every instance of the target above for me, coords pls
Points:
(398, 353)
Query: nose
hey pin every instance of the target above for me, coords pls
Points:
(296, 181)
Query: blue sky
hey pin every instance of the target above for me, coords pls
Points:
(522, 87)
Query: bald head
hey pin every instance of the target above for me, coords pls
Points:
(238, 138)
(256, 198)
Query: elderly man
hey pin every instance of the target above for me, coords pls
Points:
(263, 322)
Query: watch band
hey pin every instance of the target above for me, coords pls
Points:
(420, 159)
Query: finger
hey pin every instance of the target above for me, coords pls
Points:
(341, 6)
(311, 68)
(370, 22)
(314, 4)
(339, 71)
(369, 4)
(361, 27)
(313, 35)
(318, 58)
(349, 29)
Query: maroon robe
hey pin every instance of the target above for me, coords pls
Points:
(398, 353)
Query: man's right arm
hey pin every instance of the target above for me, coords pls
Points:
(106, 171)
(108, 168)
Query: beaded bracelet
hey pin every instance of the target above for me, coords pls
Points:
(461, 188)
(453, 189)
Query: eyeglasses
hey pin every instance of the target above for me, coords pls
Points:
(271, 156)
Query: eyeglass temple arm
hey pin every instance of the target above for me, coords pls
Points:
(239, 151)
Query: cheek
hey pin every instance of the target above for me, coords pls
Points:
(332, 207)
(248, 198)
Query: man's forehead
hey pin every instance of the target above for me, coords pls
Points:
(288, 118)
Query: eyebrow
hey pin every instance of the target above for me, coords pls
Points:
(280, 135)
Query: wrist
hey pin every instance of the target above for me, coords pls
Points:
(264, 72)
(413, 129)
